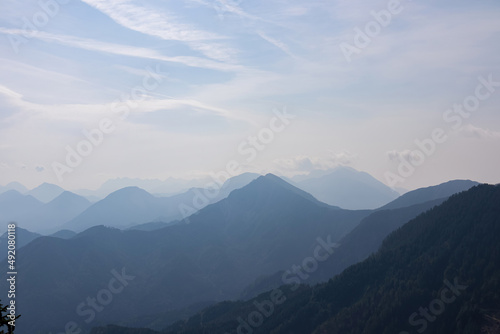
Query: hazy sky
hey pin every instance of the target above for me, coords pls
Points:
(179, 86)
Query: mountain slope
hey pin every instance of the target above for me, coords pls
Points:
(63, 234)
(14, 186)
(61, 209)
(367, 237)
(133, 206)
(443, 190)
(449, 244)
(237, 182)
(15, 206)
(121, 208)
(168, 187)
(349, 189)
(259, 229)
(438, 273)
(23, 237)
(36, 216)
(46, 192)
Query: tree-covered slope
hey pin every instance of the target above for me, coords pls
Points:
(439, 273)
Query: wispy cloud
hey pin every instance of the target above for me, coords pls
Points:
(233, 7)
(149, 21)
(214, 50)
(157, 22)
(227, 64)
(279, 44)
(89, 113)
(124, 50)
(9, 93)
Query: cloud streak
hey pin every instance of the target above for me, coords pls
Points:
(157, 22)
(279, 44)
(149, 21)
(86, 113)
(123, 50)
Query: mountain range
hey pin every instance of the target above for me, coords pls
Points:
(438, 273)
(13, 186)
(168, 187)
(131, 206)
(257, 229)
(34, 215)
(343, 187)
(216, 254)
(48, 208)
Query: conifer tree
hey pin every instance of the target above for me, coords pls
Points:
(5, 319)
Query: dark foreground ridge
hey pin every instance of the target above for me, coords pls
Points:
(438, 273)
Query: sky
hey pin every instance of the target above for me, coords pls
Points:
(408, 91)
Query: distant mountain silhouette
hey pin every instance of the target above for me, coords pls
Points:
(133, 206)
(349, 189)
(14, 186)
(14, 207)
(46, 192)
(49, 217)
(421, 195)
(236, 182)
(63, 234)
(31, 214)
(169, 187)
(122, 208)
(23, 237)
(263, 227)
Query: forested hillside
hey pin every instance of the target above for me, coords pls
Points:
(439, 274)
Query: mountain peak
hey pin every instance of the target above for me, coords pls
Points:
(348, 188)
(271, 183)
(46, 192)
(131, 191)
(14, 195)
(14, 186)
(273, 176)
(69, 197)
(47, 186)
(125, 207)
(271, 180)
